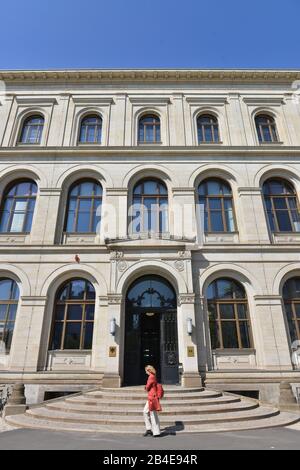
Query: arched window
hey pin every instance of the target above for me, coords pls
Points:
(91, 130)
(216, 204)
(18, 207)
(150, 207)
(73, 321)
(281, 206)
(228, 315)
(9, 297)
(32, 130)
(84, 207)
(291, 298)
(208, 129)
(266, 128)
(149, 129)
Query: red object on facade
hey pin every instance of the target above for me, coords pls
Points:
(153, 400)
(77, 259)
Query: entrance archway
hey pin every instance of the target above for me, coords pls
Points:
(151, 331)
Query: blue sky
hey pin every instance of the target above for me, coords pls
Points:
(43, 34)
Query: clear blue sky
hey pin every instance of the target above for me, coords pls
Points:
(43, 34)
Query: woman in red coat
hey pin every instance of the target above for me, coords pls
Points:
(152, 406)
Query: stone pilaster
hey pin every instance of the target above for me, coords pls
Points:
(273, 351)
(28, 334)
(45, 217)
(253, 228)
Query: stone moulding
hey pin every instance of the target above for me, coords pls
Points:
(191, 75)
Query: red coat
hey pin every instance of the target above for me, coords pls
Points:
(153, 400)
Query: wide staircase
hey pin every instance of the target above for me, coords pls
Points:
(120, 411)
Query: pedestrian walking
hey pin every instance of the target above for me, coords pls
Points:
(152, 406)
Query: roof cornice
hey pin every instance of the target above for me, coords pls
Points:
(151, 75)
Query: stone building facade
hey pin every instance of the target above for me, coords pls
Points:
(211, 161)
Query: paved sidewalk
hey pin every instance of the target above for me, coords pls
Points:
(269, 439)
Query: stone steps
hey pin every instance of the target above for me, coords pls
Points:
(96, 410)
(120, 410)
(173, 404)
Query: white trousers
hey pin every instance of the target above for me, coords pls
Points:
(151, 420)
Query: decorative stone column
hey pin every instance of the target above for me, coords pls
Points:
(273, 351)
(187, 344)
(113, 343)
(252, 222)
(28, 334)
(45, 217)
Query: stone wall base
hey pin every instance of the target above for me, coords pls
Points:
(111, 381)
(10, 410)
(191, 379)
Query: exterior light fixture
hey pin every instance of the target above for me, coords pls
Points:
(112, 326)
(189, 326)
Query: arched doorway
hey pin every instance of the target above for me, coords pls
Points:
(151, 331)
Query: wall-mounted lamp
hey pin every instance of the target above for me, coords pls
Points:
(112, 326)
(189, 326)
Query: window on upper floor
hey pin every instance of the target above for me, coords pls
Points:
(149, 129)
(228, 315)
(216, 205)
(9, 297)
(266, 129)
(208, 129)
(84, 207)
(150, 207)
(32, 130)
(17, 207)
(90, 130)
(281, 205)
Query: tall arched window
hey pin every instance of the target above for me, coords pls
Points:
(32, 130)
(216, 205)
(84, 207)
(91, 130)
(17, 207)
(291, 298)
(281, 206)
(149, 129)
(150, 207)
(208, 129)
(266, 128)
(73, 320)
(228, 315)
(9, 297)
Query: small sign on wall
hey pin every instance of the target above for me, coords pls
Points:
(191, 351)
(112, 351)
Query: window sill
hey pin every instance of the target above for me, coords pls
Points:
(78, 238)
(9, 238)
(85, 144)
(270, 143)
(220, 142)
(149, 143)
(221, 237)
(286, 237)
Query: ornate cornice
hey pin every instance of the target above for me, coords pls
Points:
(139, 75)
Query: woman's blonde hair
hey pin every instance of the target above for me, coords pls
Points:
(150, 369)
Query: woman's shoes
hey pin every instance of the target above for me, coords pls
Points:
(148, 433)
(157, 435)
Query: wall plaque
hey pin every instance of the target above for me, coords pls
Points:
(112, 351)
(191, 351)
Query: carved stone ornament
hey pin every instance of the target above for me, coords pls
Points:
(179, 265)
(122, 266)
(115, 299)
(117, 255)
(186, 299)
